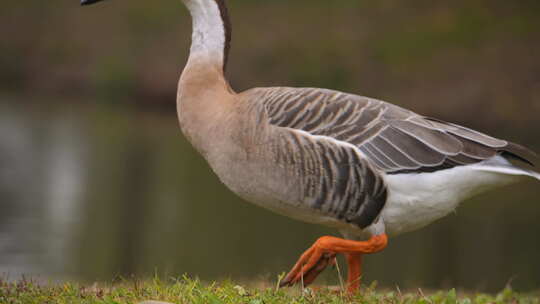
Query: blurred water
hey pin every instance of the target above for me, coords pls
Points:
(92, 192)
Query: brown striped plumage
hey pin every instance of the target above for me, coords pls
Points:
(333, 178)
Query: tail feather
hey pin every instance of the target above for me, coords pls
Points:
(522, 159)
(503, 165)
(507, 170)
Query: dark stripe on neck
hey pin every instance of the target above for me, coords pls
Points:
(227, 29)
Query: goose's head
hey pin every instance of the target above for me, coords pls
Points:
(88, 2)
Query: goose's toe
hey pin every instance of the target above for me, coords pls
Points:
(312, 262)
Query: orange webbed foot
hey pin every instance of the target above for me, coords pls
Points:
(323, 253)
(312, 262)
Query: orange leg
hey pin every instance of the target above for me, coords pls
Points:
(354, 272)
(322, 253)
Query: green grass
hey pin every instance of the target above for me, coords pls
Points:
(187, 290)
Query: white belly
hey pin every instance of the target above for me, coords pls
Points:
(415, 200)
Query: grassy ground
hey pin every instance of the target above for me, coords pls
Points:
(193, 291)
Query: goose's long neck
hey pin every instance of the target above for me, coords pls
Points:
(204, 96)
(210, 37)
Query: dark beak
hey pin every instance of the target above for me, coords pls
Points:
(88, 2)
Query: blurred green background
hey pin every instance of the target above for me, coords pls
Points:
(96, 180)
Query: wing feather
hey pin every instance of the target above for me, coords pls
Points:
(434, 138)
(467, 133)
(394, 139)
(399, 157)
(413, 147)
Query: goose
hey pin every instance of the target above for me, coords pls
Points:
(368, 168)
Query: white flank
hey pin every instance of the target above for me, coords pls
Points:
(416, 200)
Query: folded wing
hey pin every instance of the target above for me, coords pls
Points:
(395, 140)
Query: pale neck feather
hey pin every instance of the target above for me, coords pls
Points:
(204, 95)
(209, 36)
